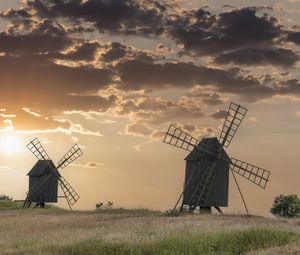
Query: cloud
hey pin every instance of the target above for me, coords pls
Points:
(138, 129)
(204, 33)
(137, 75)
(289, 88)
(156, 110)
(88, 165)
(48, 84)
(26, 119)
(253, 119)
(116, 51)
(250, 56)
(53, 63)
(207, 97)
(129, 16)
(85, 51)
(44, 36)
(4, 168)
(220, 114)
(197, 132)
(294, 36)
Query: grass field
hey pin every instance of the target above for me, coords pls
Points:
(140, 231)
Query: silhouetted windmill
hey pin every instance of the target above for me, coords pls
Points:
(208, 165)
(44, 177)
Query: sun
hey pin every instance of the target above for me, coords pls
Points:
(10, 144)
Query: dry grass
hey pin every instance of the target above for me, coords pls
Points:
(290, 249)
(38, 228)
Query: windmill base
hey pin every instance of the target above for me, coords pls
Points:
(40, 204)
(27, 204)
(200, 209)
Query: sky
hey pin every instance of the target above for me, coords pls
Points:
(112, 75)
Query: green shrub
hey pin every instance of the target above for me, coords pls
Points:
(5, 197)
(286, 206)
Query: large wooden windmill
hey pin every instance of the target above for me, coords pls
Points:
(44, 177)
(208, 165)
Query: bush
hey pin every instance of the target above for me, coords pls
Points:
(108, 205)
(5, 197)
(286, 206)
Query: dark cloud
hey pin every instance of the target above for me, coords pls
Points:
(128, 16)
(136, 75)
(34, 82)
(289, 88)
(85, 51)
(45, 36)
(15, 14)
(116, 51)
(44, 33)
(294, 37)
(252, 56)
(204, 33)
(207, 97)
(220, 114)
(156, 110)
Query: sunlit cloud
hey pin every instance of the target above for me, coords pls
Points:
(88, 165)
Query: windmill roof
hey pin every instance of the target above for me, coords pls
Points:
(212, 144)
(43, 167)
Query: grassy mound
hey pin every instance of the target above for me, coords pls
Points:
(142, 212)
(9, 204)
(12, 205)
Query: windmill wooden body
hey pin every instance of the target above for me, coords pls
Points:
(208, 165)
(44, 177)
(40, 170)
(218, 196)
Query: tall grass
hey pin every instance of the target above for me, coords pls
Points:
(231, 242)
(139, 231)
(8, 204)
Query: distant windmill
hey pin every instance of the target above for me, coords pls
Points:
(44, 177)
(208, 165)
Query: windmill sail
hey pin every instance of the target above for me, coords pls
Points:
(70, 194)
(255, 174)
(232, 122)
(178, 138)
(37, 149)
(73, 153)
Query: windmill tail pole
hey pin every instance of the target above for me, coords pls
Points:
(238, 186)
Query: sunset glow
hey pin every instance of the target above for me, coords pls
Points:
(10, 144)
(111, 76)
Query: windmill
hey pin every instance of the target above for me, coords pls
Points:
(208, 165)
(44, 177)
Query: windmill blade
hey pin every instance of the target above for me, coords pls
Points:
(252, 173)
(178, 138)
(232, 122)
(72, 154)
(70, 194)
(37, 149)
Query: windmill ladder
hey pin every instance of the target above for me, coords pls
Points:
(202, 190)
